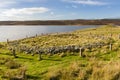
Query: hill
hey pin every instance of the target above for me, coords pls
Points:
(64, 22)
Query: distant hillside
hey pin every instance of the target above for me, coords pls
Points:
(64, 22)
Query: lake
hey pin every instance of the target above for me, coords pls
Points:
(21, 31)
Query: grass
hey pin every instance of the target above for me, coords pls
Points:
(100, 63)
(36, 68)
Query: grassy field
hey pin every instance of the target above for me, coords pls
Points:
(99, 62)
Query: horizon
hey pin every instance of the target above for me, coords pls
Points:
(20, 10)
(64, 19)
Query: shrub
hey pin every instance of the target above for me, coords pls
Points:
(19, 74)
(12, 64)
(54, 75)
(1, 45)
(3, 60)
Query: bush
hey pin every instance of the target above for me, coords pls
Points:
(3, 60)
(1, 45)
(19, 74)
(12, 64)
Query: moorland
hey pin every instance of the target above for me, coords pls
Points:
(88, 54)
(64, 22)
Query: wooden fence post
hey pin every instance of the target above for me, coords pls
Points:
(40, 57)
(81, 52)
(110, 46)
(36, 35)
(14, 53)
(7, 41)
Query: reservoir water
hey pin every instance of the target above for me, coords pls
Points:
(21, 31)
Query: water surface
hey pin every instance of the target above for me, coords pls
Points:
(19, 32)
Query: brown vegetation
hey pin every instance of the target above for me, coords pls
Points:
(64, 22)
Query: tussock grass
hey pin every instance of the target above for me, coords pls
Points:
(94, 70)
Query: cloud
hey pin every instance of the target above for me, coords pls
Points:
(9, 3)
(74, 6)
(24, 11)
(86, 2)
(52, 13)
(5, 3)
(34, 13)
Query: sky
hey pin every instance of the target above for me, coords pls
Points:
(58, 9)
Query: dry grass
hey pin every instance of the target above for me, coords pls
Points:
(94, 70)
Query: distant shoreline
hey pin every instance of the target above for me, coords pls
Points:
(78, 22)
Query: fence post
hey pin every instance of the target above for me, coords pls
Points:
(81, 52)
(110, 46)
(7, 41)
(36, 35)
(14, 53)
(40, 57)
